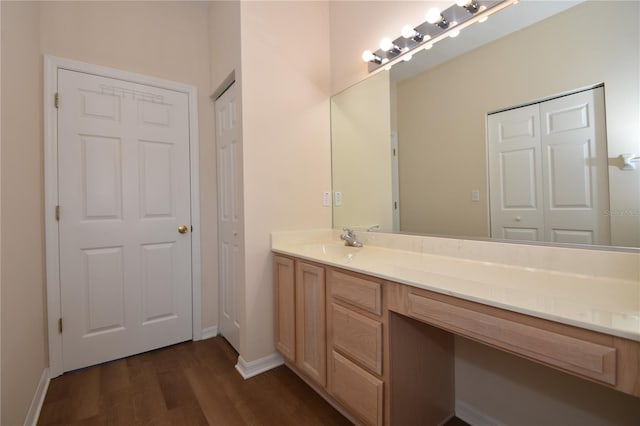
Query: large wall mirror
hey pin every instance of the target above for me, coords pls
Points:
(410, 145)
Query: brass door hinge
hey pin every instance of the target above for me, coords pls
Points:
(58, 213)
(56, 100)
(60, 325)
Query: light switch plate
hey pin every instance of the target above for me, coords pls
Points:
(337, 198)
(326, 198)
(475, 195)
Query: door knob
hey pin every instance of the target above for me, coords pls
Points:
(183, 229)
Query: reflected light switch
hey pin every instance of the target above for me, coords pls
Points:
(475, 195)
(337, 198)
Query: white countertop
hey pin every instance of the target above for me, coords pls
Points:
(604, 304)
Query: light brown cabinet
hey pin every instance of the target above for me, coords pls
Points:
(300, 316)
(384, 351)
(355, 344)
(311, 347)
(284, 297)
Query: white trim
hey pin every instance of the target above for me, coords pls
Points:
(253, 368)
(209, 332)
(51, 66)
(38, 399)
(473, 416)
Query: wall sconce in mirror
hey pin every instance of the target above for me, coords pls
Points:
(438, 25)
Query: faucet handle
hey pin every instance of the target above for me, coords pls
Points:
(349, 231)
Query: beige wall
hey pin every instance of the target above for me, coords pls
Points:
(287, 166)
(166, 40)
(24, 350)
(441, 114)
(361, 155)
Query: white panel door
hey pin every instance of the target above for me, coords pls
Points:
(125, 270)
(229, 214)
(515, 180)
(575, 166)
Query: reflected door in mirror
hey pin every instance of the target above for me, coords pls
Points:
(548, 171)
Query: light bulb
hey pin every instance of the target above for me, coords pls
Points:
(434, 16)
(368, 56)
(407, 58)
(386, 44)
(462, 3)
(408, 31)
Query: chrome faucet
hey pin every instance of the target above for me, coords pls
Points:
(350, 238)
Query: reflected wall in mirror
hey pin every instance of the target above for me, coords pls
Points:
(439, 114)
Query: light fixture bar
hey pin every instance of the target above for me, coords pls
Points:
(430, 33)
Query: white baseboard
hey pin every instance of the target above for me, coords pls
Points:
(38, 399)
(473, 416)
(253, 368)
(209, 332)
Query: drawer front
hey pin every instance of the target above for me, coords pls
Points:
(359, 391)
(357, 336)
(359, 292)
(582, 357)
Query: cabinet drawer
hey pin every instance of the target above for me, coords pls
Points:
(578, 356)
(359, 391)
(360, 292)
(357, 336)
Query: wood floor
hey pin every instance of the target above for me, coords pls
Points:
(193, 383)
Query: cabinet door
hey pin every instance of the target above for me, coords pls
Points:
(284, 306)
(311, 355)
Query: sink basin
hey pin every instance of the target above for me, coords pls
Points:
(335, 251)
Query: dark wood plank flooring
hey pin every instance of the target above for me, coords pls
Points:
(193, 383)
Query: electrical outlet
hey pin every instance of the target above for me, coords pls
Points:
(475, 195)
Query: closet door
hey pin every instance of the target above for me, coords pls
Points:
(575, 168)
(515, 174)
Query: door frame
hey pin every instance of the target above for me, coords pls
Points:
(51, 66)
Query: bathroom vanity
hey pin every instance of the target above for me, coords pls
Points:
(372, 329)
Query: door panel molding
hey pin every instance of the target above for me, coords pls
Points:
(51, 66)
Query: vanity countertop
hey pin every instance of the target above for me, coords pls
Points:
(609, 305)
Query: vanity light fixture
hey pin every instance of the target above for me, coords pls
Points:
(369, 56)
(435, 17)
(409, 32)
(438, 25)
(471, 5)
(387, 45)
